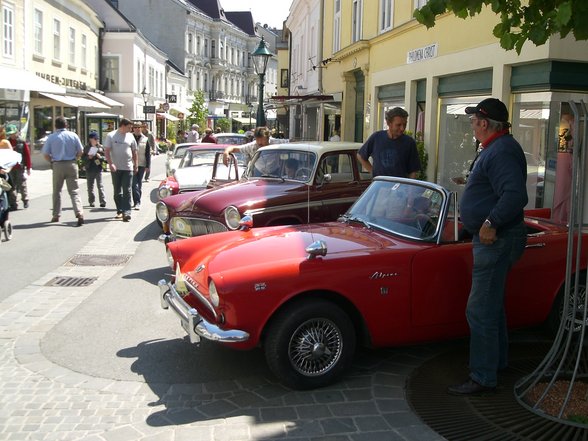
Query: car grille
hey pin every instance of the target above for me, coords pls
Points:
(184, 227)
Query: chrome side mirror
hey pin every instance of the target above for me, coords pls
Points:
(318, 248)
(246, 223)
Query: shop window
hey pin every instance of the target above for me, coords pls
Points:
(43, 119)
(544, 124)
(457, 145)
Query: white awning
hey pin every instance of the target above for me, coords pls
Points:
(179, 109)
(17, 79)
(245, 120)
(167, 116)
(104, 99)
(76, 101)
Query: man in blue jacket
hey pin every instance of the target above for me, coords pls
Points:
(492, 209)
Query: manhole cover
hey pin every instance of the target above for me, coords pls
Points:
(490, 417)
(71, 281)
(100, 259)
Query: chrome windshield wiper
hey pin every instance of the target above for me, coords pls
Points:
(348, 219)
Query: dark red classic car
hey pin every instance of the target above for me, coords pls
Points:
(283, 185)
(394, 270)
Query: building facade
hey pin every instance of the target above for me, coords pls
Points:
(384, 58)
(49, 65)
(212, 47)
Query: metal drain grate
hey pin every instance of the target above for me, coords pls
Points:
(66, 281)
(490, 417)
(100, 259)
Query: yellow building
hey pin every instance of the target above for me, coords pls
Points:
(380, 57)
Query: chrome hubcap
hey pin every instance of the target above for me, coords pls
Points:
(315, 347)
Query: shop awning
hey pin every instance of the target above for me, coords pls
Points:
(17, 79)
(167, 116)
(105, 100)
(179, 109)
(245, 120)
(75, 101)
(297, 99)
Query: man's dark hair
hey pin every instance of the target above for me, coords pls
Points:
(394, 112)
(261, 132)
(60, 122)
(125, 122)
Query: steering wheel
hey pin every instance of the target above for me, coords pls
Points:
(302, 173)
(425, 224)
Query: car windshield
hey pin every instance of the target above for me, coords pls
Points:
(403, 207)
(282, 163)
(180, 151)
(195, 158)
(231, 139)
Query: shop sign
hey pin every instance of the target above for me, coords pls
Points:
(148, 109)
(422, 53)
(65, 82)
(173, 99)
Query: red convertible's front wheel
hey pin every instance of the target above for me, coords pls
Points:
(310, 343)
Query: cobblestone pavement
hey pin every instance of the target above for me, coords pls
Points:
(40, 400)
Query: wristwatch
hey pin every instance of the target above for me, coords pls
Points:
(488, 223)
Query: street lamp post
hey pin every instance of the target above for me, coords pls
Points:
(250, 110)
(145, 96)
(260, 58)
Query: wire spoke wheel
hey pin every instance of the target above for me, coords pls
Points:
(315, 347)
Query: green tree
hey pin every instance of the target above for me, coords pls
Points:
(224, 124)
(199, 110)
(423, 155)
(520, 20)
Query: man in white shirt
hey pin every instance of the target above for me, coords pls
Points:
(120, 149)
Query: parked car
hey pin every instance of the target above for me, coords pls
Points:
(231, 138)
(326, 181)
(174, 157)
(196, 169)
(394, 270)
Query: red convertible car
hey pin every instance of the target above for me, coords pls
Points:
(284, 184)
(394, 270)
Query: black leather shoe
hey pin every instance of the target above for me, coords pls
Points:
(470, 387)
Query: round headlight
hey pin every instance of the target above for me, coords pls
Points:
(161, 212)
(214, 298)
(232, 217)
(164, 191)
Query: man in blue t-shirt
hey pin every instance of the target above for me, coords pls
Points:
(393, 153)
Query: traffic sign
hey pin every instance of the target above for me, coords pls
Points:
(165, 106)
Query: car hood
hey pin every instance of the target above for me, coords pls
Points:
(274, 245)
(245, 195)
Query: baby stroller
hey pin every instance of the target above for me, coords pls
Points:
(8, 159)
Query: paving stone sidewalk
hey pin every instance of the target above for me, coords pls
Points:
(40, 400)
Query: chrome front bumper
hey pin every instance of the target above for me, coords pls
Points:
(192, 322)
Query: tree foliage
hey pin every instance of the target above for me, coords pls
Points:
(224, 124)
(520, 20)
(199, 110)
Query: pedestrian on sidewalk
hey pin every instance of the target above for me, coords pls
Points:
(152, 145)
(143, 162)
(20, 172)
(93, 159)
(120, 149)
(62, 149)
